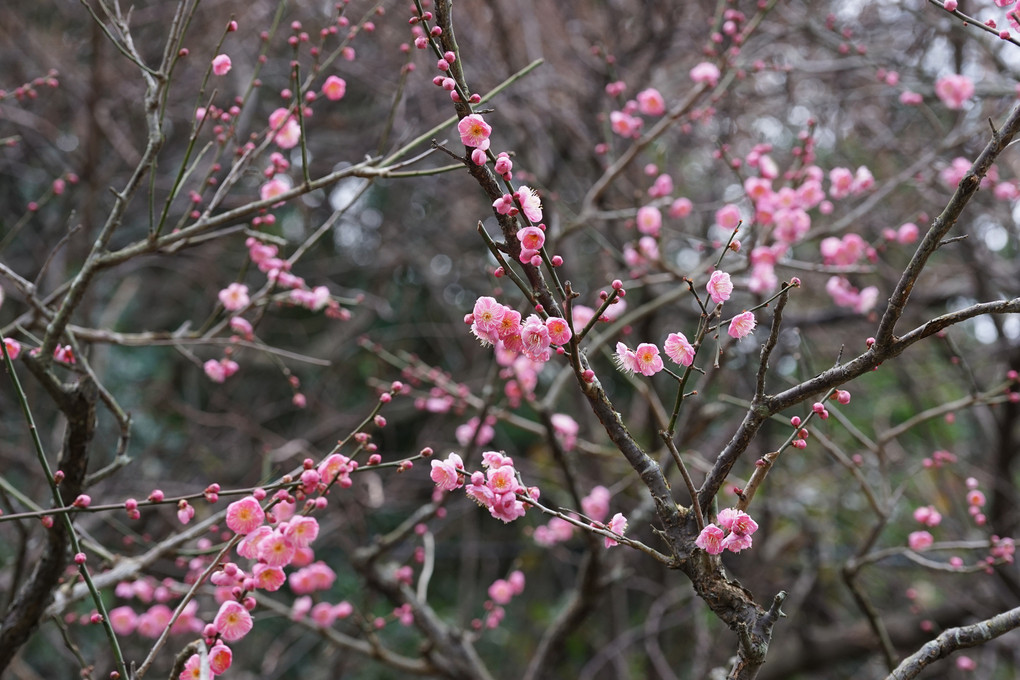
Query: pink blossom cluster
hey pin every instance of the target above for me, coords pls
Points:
(529, 201)
(496, 489)
(953, 174)
(595, 507)
(714, 539)
(322, 613)
(976, 502)
(845, 251)
(909, 232)
(647, 102)
(497, 324)
(645, 358)
(474, 431)
(265, 256)
(501, 592)
(844, 294)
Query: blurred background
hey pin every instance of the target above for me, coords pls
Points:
(404, 261)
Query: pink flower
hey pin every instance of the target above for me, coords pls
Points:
(531, 238)
(596, 504)
(742, 325)
(719, 287)
(487, 313)
(679, 349)
(285, 129)
(841, 181)
(220, 658)
(268, 578)
(646, 359)
(650, 102)
(13, 348)
(735, 542)
(221, 65)
(242, 327)
(954, 90)
(559, 330)
(625, 124)
(681, 207)
(474, 131)
(920, 540)
(706, 72)
(566, 429)
(185, 512)
(737, 522)
(302, 530)
(276, 550)
(501, 591)
(625, 358)
(728, 216)
(649, 220)
(232, 621)
(334, 88)
(965, 663)
(909, 98)
(234, 297)
(448, 474)
(711, 539)
(192, 668)
(618, 525)
(273, 188)
(928, 516)
(531, 204)
(663, 186)
(123, 620)
(245, 516)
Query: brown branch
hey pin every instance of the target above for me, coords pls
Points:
(956, 638)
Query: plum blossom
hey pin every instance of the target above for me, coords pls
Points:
(334, 88)
(245, 516)
(285, 128)
(644, 360)
(728, 216)
(474, 131)
(845, 295)
(232, 621)
(566, 429)
(221, 65)
(274, 187)
(625, 124)
(742, 325)
(739, 525)
(706, 72)
(649, 220)
(448, 474)
(618, 525)
(711, 539)
(497, 489)
(531, 204)
(954, 90)
(650, 102)
(681, 207)
(928, 516)
(596, 504)
(720, 287)
(234, 297)
(679, 349)
(920, 540)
